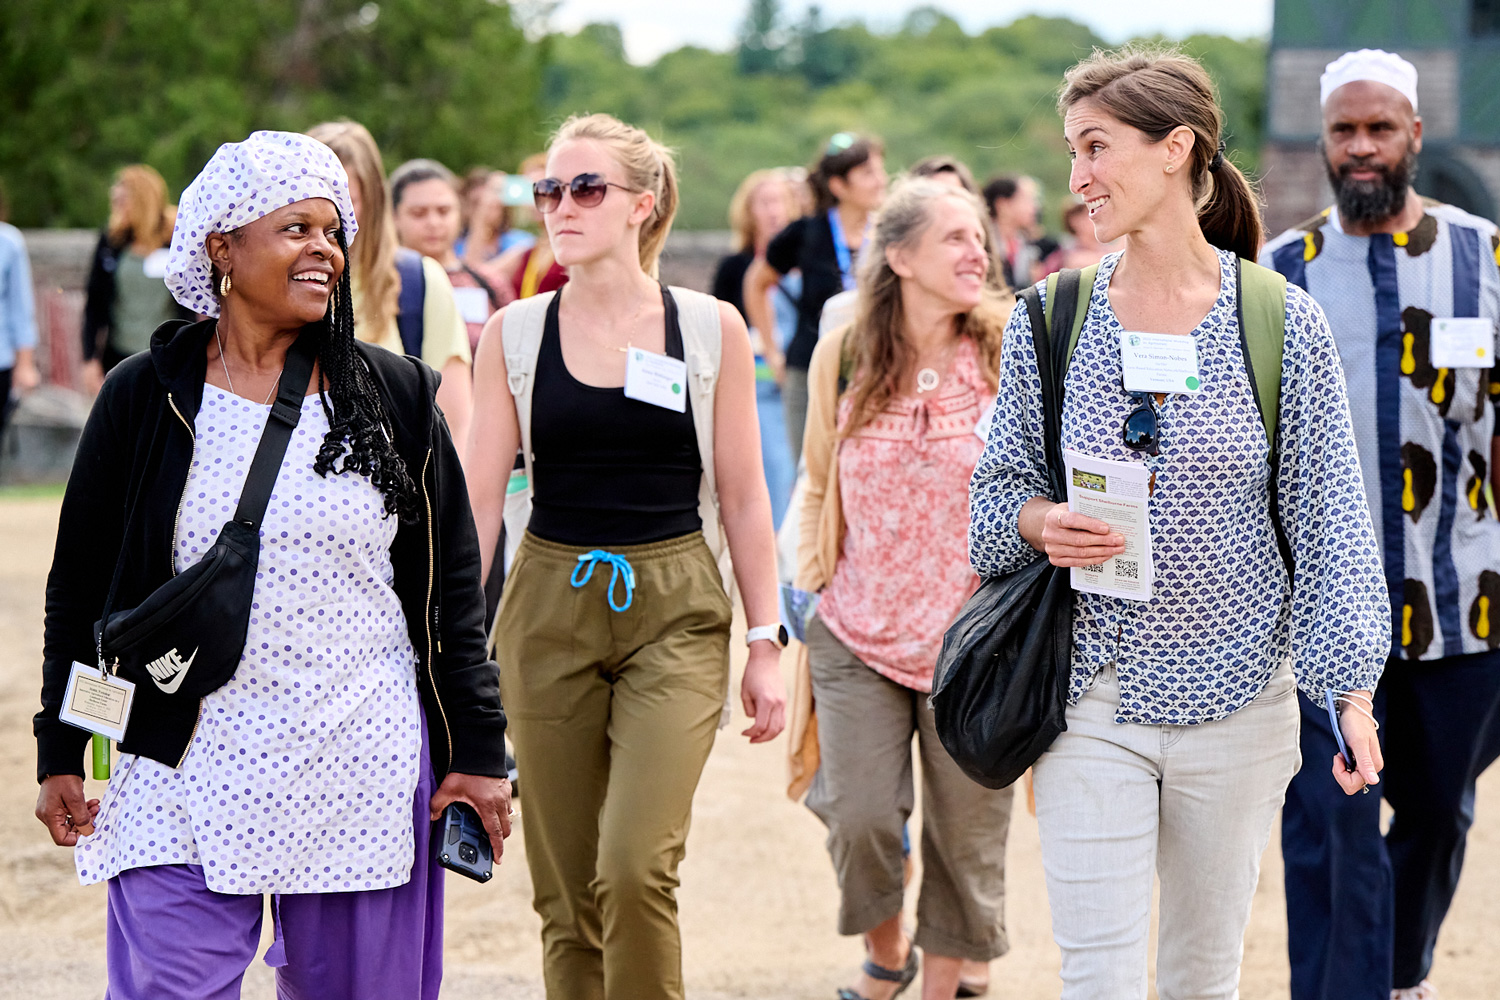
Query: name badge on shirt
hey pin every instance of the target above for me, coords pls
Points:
(1463, 343)
(984, 423)
(96, 701)
(656, 379)
(1159, 362)
(473, 304)
(155, 264)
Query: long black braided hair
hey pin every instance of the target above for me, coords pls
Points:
(357, 438)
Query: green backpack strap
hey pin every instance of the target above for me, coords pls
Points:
(1080, 313)
(1263, 327)
(1262, 319)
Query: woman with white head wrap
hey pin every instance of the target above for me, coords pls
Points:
(363, 702)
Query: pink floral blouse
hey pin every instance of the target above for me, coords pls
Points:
(903, 569)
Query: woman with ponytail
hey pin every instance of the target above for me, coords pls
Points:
(363, 703)
(633, 406)
(1182, 717)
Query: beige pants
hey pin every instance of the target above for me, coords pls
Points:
(613, 715)
(1192, 805)
(863, 793)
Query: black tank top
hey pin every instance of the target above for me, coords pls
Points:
(609, 470)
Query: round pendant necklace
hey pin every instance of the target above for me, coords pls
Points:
(928, 379)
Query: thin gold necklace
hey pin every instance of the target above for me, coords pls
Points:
(225, 366)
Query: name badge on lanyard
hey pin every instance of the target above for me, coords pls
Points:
(656, 379)
(97, 701)
(1159, 362)
(1467, 342)
(841, 251)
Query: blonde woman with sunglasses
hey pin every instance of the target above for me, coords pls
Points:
(634, 408)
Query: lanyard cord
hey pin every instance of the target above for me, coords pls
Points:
(619, 566)
(841, 249)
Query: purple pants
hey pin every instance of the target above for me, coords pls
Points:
(172, 938)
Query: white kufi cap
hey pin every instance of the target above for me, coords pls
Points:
(242, 182)
(1375, 65)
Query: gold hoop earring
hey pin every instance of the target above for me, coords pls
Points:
(225, 284)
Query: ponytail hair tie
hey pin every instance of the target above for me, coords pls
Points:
(1218, 160)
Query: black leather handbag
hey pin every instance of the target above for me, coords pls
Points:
(1000, 687)
(186, 638)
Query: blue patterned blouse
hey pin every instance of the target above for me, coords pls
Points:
(1222, 616)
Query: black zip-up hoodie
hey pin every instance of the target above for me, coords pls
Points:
(140, 433)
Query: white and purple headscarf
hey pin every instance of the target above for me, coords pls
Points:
(242, 182)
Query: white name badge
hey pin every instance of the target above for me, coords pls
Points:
(97, 702)
(656, 379)
(1463, 343)
(984, 423)
(155, 264)
(473, 304)
(1159, 362)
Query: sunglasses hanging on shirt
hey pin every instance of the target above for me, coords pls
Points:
(1141, 430)
(588, 190)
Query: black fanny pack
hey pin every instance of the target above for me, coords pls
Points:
(187, 637)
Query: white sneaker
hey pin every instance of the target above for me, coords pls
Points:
(1422, 991)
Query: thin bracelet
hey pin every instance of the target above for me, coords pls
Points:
(1352, 703)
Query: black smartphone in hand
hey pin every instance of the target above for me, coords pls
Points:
(465, 845)
(1338, 734)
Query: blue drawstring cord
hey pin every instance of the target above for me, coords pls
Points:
(618, 565)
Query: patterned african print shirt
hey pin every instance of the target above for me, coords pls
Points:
(1424, 433)
(1222, 616)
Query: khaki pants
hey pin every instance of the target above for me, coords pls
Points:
(863, 793)
(1119, 803)
(613, 715)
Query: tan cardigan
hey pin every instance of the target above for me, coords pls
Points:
(820, 535)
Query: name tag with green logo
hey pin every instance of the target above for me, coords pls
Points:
(1159, 362)
(656, 379)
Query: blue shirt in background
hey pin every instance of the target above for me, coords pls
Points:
(17, 307)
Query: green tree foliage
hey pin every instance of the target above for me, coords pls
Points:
(928, 87)
(87, 86)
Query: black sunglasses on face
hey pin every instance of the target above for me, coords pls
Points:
(1140, 430)
(588, 190)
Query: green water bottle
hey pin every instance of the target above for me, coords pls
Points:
(101, 757)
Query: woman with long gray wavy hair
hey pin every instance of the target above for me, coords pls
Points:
(896, 401)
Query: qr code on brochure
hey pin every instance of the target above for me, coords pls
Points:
(1127, 569)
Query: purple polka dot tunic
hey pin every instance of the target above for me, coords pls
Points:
(301, 774)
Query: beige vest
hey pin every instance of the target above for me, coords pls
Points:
(702, 343)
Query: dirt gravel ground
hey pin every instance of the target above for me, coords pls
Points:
(757, 900)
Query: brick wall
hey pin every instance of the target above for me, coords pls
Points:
(1293, 183)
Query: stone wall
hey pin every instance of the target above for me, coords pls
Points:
(60, 263)
(38, 446)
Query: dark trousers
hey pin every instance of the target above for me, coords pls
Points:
(5, 402)
(1363, 911)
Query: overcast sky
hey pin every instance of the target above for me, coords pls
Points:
(652, 27)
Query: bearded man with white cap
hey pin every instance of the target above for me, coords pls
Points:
(1412, 292)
